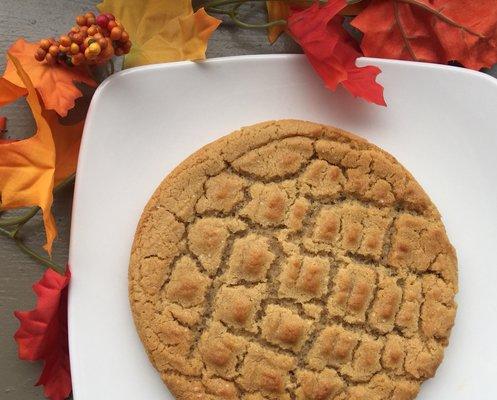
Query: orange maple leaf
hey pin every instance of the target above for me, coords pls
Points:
(162, 30)
(29, 167)
(55, 84)
(67, 140)
(9, 92)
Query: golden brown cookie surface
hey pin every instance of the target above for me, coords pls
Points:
(290, 260)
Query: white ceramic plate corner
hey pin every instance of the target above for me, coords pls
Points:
(441, 123)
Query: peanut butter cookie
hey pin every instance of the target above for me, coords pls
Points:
(291, 260)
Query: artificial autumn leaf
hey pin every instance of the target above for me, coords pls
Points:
(162, 30)
(30, 167)
(27, 166)
(67, 140)
(431, 30)
(42, 334)
(280, 10)
(55, 84)
(354, 8)
(331, 51)
(9, 92)
(276, 10)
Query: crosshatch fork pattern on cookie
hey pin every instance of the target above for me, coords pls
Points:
(309, 265)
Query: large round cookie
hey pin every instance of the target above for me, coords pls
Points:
(290, 260)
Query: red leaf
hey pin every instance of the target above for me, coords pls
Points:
(332, 52)
(431, 30)
(43, 334)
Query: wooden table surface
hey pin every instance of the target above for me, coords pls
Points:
(35, 19)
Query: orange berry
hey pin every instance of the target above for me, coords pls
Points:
(75, 29)
(102, 42)
(115, 33)
(92, 30)
(94, 48)
(40, 54)
(89, 40)
(90, 21)
(53, 50)
(78, 59)
(84, 30)
(97, 36)
(124, 36)
(107, 52)
(65, 41)
(89, 55)
(64, 49)
(111, 25)
(89, 14)
(78, 38)
(45, 44)
(81, 20)
(50, 59)
(127, 47)
(74, 48)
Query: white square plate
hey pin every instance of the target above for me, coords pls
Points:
(441, 123)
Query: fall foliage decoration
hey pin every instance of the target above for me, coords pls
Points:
(331, 50)
(42, 334)
(30, 168)
(435, 31)
(27, 167)
(93, 40)
(279, 10)
(161, 30)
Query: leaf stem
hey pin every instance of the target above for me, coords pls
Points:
(20, 221)
(234, 16)
(216, 7)
(25, 249)
(403, 32)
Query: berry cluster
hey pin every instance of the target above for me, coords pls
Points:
(94, 40)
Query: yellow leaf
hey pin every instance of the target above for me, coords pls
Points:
(276, 10)
(162, 30)
(29, 167)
